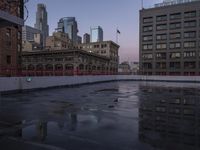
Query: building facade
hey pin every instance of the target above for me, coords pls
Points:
(42, 21)
(107, 49)
(63, 63)
(79, 39)
(11, 22)
(86, 38)
(69, 25)
(96, 34)
(28, 33)
(58, 41)
(169, 39)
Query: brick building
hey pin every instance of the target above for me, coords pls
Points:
(11, 22)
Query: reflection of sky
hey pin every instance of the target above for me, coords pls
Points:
(108, 14)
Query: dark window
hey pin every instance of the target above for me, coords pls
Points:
(8, 59)
(188, 24)
(148, 20)
(161, 27)
(161, 36)
(147, 28)
(161, 18)
(176, 25)
(175, 35)
(190, 14)
(175, 16)
(190, 34)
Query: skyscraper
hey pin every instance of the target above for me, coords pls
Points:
(79, 39)
(96, 34)
(69, 25)
(86, 38)
(41, 21)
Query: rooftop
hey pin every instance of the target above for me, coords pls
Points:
(173, 2)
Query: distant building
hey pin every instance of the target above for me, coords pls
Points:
(169, 38)
(86, 38)
(69, 25)
(11, 22)
(124, 68)
(64, 62)
(42, 21)
(29, 46)
(96, 34)
(108, 49)
(134, 67)
(28, 33)
(58, 41)
(79, 39)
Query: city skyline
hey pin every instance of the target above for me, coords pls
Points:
(125, 16)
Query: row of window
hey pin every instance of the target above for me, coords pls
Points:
(172, 26)
(174, 55)
(174, 16)
(172, 65)
(172, 45)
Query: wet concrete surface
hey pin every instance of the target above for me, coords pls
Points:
(107, 116)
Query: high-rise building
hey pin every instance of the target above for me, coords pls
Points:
(79, 39)
(96, 34)
(28, 33)
(86, 38)
(69, 25)
(42, 21)
(169, 38)
(11, 22)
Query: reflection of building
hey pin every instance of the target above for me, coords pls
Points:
(169, 39)
(108, 49)
(11, 22)
(64, 62)
(124, 68)
(134, 66)
(58, 41)
(69, 25)
(42, 21)
(96, 34)
(86, 38)
(169, 118)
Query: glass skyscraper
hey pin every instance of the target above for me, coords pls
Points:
(69, 25)
(96, 34)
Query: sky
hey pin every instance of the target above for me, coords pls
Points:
(109, 14)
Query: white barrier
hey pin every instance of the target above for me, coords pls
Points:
(28, 83)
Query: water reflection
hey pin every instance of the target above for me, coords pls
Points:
(169, 118)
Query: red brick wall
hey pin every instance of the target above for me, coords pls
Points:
(10, 44)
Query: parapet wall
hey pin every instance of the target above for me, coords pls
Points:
(9, 84)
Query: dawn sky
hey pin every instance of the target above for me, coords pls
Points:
(109, 14)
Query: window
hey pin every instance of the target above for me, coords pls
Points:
(190, 14)
(175, 45)
(161, 18)
(148, 20)
(18, 47)
(175, 16)
(8, 33)
(147, 65)
(147, 56)
(190, 44)
(161, 55)
(160, 65)
(161, 36)
(147, 28)
(175, 55)
(161, 27)
(176, 25)
(189, 54)
(175, 35)
(148, 38)
(19, 35)
(8, 59)
(190, 65)
(188, 24)
(190, 34)
(175, 65)
(161, 46)
(147, 47)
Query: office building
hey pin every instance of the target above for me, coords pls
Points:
(79, 39)
(28, 33)
(11, 22)
(69, 25)
(42, 21)
(86, 38)
(96, 34)
(169, 38)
